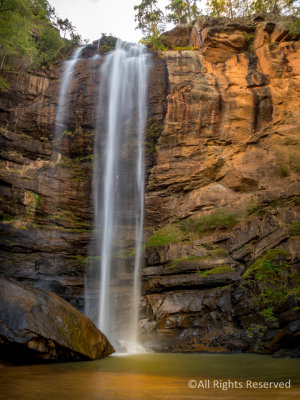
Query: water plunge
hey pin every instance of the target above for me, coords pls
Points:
(113, 278)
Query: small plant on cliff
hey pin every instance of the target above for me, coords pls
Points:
(283, 170)
(268, 314)
(249, 42)
(294, 228)
(166, 235)
(269, 266)
(209, 223)
(256, 208)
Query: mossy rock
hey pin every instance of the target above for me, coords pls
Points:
(38, 325)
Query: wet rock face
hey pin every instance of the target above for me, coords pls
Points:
(46, 202)
(38, 325)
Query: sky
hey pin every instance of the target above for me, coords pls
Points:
(93, 17)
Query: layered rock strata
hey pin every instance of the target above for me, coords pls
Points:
(229, 146)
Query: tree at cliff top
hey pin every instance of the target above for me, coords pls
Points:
(182, 12)
(27, 36)
(150, 19)
(237, 8)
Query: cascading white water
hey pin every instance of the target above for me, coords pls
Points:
(62, 107)
(119, 195)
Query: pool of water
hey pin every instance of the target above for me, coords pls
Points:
(155, 376)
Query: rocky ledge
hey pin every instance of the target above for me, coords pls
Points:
(231, 290)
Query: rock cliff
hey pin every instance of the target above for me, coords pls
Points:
(223, 194)
(222, 198)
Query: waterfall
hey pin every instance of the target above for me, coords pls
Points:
(113, 279)
(62, 108)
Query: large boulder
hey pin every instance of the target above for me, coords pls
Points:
(39, 325)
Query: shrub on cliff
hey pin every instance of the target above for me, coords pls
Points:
(210, 223)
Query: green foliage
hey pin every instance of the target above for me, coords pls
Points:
(271, 297)
(294, 29)
(49, 45)
(181, 12)
(256, 330)
(236, 8)
(267, 267)
(69, 219)
(223, 269)
(216, 8)
(149, 18)
(249, 41)
(256, 208)
(27, 36)
(17, 21)
(66, 26)
(184, 260)
(37, 198)
(268, 314)
(294, 228)
(4, 85)
(154, 43)
(210, 223)
(182, 48)
(166, 235)
(295, 291)
(107, 43)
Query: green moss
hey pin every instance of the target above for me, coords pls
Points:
(256, 330)
(294, 228)
(179, 261)
(218, 270)
(267, 267)
(210, 223)
(166, 235)
(182, 48)
(67, 216)
(37, 197)
(257, 209)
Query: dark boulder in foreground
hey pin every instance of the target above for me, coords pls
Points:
(37, 325)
